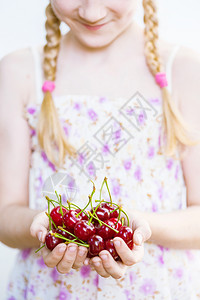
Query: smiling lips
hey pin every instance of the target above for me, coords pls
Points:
(93, 28)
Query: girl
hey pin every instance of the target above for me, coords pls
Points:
(99, 109)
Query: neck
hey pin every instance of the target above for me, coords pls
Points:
(131, 39)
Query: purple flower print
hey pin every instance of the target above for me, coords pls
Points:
(138, 173)
(151, 152)
(96, 281)
(66, 131)
(105, 149)
(12, 298)
(25, 253)
(77, 106)
(130, 111)
(92, 114)
(32, 132)
(155, 101)
(189, 254)
(132, 277)
(32, 290)
(176, 172)
(161, 260)
(85, 271)
(141, 118)
(31, 110)
(127, 164)
(54, 275)
(148, 288)
(102, 99)
(154, 207)
(41, 263)
(91, 168)
(50, 164)
(178, 273)
(160, 193)
(128, 295)
(64, 199)
(117, 134)
(64, 295)
(116, 187)
(169, 164)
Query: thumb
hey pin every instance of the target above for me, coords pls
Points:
(39, 226)
(142, 231)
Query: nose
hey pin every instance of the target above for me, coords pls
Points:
(92, 11)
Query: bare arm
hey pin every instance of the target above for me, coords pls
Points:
(16, 217)
(181, 229)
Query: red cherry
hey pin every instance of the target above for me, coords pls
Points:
(117, 223)
(52, 241)
(65, 234)
(96, 244)
(109, 245)
(110, 207)
(106, 232)
(82, 215)
(130, 244)
(83, 230)
(70, 219)
(57, 216)
(125, 233)
(102, 213)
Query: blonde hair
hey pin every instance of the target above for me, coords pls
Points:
(51, 135)
(50, 132)
(175, 127)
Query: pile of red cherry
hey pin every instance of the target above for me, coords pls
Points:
(94, 228)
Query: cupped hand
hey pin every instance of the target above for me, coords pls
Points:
(63, 257)
(106, 266)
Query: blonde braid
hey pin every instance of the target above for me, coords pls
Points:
(173, 123)
(50, 132)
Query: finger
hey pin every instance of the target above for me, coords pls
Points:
(142, 231)
(128, 257)
(98, 266)
(80, 257)
(39, 226)
(52, 258)
(86, 261)
(65, 265)
(115, 269)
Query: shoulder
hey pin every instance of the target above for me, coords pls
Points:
(17, 70)
(186, 81)
(187, 69)
(185, 76)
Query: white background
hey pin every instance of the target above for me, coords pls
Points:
(22, 24)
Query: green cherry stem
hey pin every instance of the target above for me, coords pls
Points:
(60, 202)
(69, 204)
(104, 223)
(69, 241)
(40, 248)
(120, 208)
(108, 189)
(51, 219)
(101, 188)
(83, 210)
(51, 200)
(122, 220)
(59, 227)
(49, 215)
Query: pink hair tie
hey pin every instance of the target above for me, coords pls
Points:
(48, 86)
(161, 79)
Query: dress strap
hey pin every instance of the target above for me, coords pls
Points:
(38, 74)
(170, 65)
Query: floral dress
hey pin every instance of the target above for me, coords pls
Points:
(120, 139)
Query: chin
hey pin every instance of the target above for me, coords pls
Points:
(95, 42)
